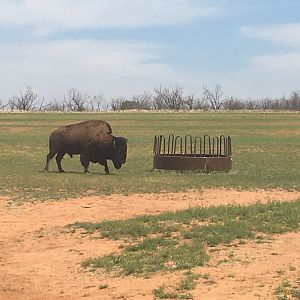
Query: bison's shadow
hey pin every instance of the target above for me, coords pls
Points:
(77, 172)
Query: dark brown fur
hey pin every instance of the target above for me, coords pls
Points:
(93, 140)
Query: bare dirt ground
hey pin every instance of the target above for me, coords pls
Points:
(40, 259)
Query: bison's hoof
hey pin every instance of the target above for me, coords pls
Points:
(62, 171)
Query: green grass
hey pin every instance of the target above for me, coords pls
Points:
(265, 154)
(161, 293)
(187, 283)
(175, 240)
(169, 256)
(288, 291)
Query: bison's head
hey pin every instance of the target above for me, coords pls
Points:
(120, 152)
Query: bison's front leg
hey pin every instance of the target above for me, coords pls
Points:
(84, 159)
(103, 162)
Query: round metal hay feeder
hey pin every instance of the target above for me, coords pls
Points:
(197, 154)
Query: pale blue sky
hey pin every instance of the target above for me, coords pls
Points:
(124, 47)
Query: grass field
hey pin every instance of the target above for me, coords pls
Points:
(265, 153)
(192, 246)
(179, 237)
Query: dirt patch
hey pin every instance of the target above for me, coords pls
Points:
(39, 259)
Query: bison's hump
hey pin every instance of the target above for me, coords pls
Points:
(91, 124)
(96, 131)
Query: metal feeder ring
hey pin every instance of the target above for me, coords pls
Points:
(198, 154)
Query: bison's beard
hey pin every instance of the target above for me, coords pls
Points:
(117, 165)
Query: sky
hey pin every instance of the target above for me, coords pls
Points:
(121, 48)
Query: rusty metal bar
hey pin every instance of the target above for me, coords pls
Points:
(224, 143)
(162, 138)
(207, 137)
(175, 145)
(229, 146)
(186, 144)
(200, 145)
(215, 146)
(155, 145)
(171, 139)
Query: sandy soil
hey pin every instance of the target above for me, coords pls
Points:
(40, 259)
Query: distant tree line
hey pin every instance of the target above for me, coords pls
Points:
(161, 99)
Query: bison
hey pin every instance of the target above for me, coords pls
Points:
(93, 140)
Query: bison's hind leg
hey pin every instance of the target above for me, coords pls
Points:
(58, 158)
(106, 169)
(49, 157)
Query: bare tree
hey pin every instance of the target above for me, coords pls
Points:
(129, 105)
(144, 101)
(295, 100)
(2, 105)
(265, 104)
(233, 104)
(75, 101)
(251, 104)
(26, 100)
(43, 106)
(55, 105)
(190, 102)
(214, 97)
(116, 103)
(96, 102)
(201, 103)
(165, 98)
(137, 102)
